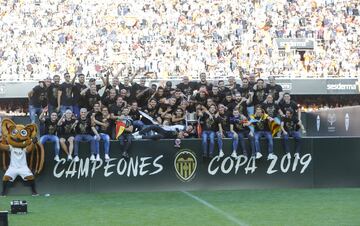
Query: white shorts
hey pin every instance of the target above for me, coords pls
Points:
(22, 172)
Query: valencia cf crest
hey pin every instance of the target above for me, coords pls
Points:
(185, 164)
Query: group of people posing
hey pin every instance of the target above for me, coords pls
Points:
(76, 110)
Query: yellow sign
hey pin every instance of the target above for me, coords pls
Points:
(185, 165)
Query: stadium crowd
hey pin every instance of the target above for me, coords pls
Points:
(170, 39)
(74, 111)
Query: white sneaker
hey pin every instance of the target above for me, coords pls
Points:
(297, 156)
(69, 158)
(92, 158)
(98, 157)
(258, 155)
(107, 157)
(136, 133)
(233, 154)
(221, 154)
(272, 156)
(76, 159)
(57, 158)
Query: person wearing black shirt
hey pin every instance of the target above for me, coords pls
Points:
(140, 92)
(110, 99)
(105, 129)
(37, 97)
(186, 86)
(239, 126)
(65, 95)
(216, 95)
(247, 92)
(116, 110)
(262, 128)
(271, 108)
(240, 103)
(233, 87)
(178, 117)
(209, 127)
(290, 127)
(136, 116)
(259, 92)
(201, 97)
(79, 101)
(222, 88)
(52, 94)
(204, 83)
(84, 130)
(274, 90)
(287, 104)
(223, 123)
(228, 100)
(66, 125)
(91, 96)
(168, 90)
(50, 131)
(126, 137)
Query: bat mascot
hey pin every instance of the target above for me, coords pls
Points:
(19, 147)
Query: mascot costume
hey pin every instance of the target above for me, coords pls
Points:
(18, 141)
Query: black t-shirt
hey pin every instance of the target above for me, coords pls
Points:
(91, 99)
(286, 106)
(117, 110)
(235, 88)
(207, 123)
(67, 94)
(108, 128)
(223, 119)
(242, 108)
(52, 94)
(83, 126)
(65, 129)
(229, 104)
(50, 128)
(274, 91)
(207, 84)
(290, 124)
(271, 109)
(135, 90)
(135, 115)
(38, 99)
(218, 98)
(238, 124)
(153, 112)
(187, 89)
(245, 91)
(78, 99)
(109, 102)
(259, 96)
(261, 125)
(201, 100)
(122, 86)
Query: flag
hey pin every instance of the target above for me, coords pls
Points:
(120, 127)
(198, 129)
(274, 127)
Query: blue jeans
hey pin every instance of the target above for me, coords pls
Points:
(138, 124)
(51, 138)
(241, 137)
(125, 141)
(268, 136)
(34, 111)
(106, 138)
(227, 134)
(51, 109)
(204, 137)
(76, 110)
(86, 138)
(63, 108)
(297, 137)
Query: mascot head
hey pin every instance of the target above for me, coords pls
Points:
(18, 136)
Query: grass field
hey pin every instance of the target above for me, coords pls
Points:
(245, 207)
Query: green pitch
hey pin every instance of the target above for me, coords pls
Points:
(244, 207)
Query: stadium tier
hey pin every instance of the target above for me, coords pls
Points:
(169, 39)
